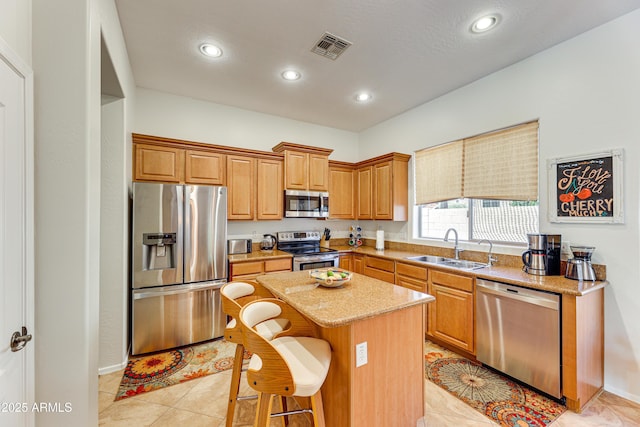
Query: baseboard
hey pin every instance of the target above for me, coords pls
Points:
(622, 393)
(113, 368)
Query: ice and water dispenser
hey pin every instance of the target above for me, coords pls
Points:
(159, 251)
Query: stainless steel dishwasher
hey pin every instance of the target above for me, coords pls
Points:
(518, 333)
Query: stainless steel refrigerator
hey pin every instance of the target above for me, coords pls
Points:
(179, 264)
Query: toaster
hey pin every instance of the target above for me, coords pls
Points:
(238, 246)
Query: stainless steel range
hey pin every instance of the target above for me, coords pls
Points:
(306, 250)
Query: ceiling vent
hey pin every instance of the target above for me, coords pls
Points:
(330, 46)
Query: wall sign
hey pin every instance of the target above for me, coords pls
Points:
(586, 188)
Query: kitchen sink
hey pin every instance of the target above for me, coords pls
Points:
(448, 262)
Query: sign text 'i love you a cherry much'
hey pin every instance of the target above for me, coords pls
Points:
(585, 188)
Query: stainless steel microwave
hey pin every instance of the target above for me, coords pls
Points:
(306, 204)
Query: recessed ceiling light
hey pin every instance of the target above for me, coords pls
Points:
(484, 24)
(291, 75)
(210, 50)
(363, 97)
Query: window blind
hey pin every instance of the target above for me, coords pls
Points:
(438, 173)
(500, 165)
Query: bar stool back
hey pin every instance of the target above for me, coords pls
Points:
(234, 296)
(293, 363)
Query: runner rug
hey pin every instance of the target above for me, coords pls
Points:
(158, 370)
(501, 399)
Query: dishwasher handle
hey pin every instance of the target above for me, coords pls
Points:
(524, 295)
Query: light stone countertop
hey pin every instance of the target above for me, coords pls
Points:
(259, 255)
(509, 275)
(360, 298)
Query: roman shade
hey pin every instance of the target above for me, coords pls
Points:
(500, 165)
(438, 173)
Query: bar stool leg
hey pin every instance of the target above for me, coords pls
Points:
(263, 412)
(318, 409)
(234, 388)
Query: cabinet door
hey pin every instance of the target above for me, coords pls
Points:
(364, 208)
(245, 270)
(278, 265)
(341, 193)
(296, 166)
(203, 167)
(318, 172)
(411, 276)
(379, 268)
(358, 263)
(450, 316)
(346, 262)
(383, 191)
(270, 192)
(153, 163)
(241, 187)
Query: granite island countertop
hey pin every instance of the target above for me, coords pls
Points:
(360, 298)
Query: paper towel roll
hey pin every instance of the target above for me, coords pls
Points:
(380, 240)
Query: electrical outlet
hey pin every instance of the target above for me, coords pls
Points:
(361, 354)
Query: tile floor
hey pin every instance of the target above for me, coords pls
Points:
(203, 402)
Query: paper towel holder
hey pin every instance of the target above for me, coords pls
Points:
(380, 239)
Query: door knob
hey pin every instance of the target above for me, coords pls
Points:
(20, 340)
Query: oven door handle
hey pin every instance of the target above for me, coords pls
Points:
(315, 258)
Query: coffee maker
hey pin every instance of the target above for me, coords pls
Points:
(579, 267)
(542, 257)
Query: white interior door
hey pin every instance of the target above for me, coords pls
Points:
(16, 237)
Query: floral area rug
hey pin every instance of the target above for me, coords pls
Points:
(501, 399)
(158, 370)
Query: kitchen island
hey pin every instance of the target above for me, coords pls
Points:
(381, 384)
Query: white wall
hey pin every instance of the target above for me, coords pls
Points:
(15, 27)
(167, 115)
(68, 168)
(116, 121)
(585, 93)
(67, 217)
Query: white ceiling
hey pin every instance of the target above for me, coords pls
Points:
(406, 52)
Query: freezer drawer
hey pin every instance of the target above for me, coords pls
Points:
(518, 333)
(173, 316)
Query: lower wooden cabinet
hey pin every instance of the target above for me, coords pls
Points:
(450, 316)
(411, 276)
(358, 263)
(249, 270)
(346, 262)
(379, 268)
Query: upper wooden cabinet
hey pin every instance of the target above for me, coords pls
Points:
(254, 188)
(166, 161)
(364, 193)
(372, 189)
(342, 198)
(241, 184)
(202, 167)
(305, 168)
(153, 163)
(270, 193)
(383, 188)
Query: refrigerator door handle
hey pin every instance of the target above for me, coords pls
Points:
(175, 289)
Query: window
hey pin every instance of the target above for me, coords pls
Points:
(506, 221)
(484, 186)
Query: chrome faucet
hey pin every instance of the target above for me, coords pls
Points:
(491, 258)
(455, 245)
